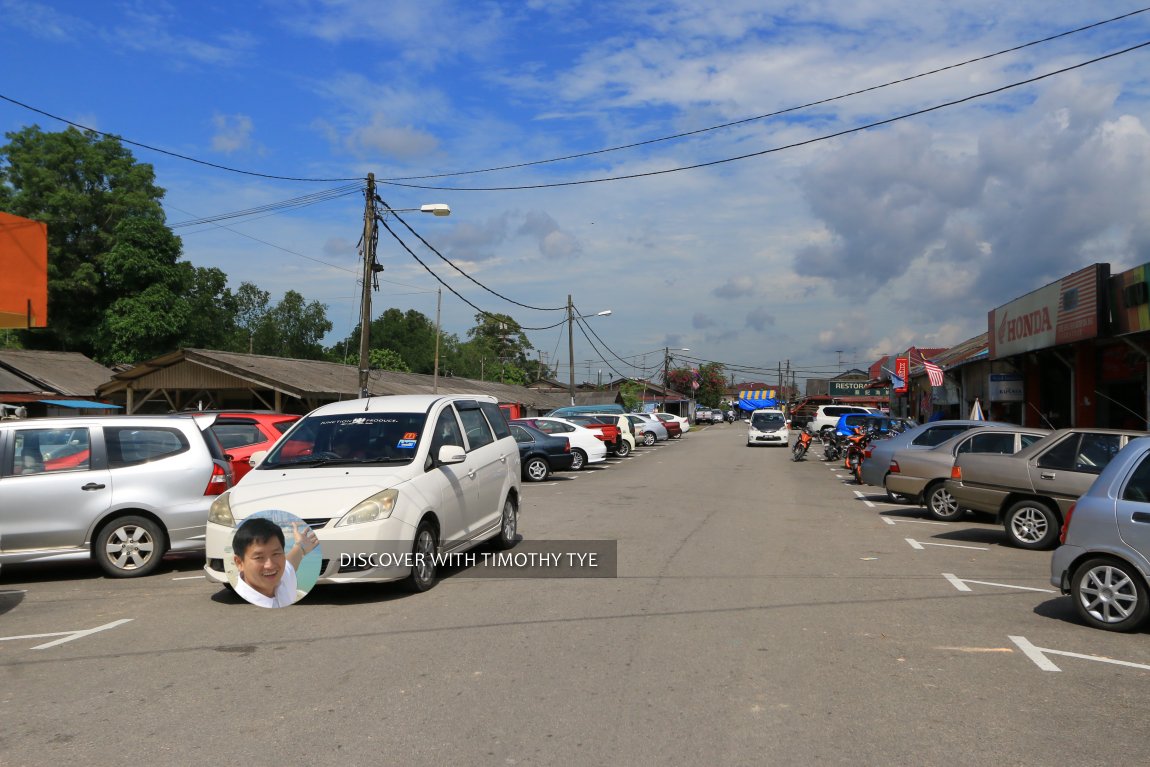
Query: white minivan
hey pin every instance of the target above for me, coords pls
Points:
(390, 485)
(768, 427)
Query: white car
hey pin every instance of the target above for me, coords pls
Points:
(390, 485)
(585, 443)
(684, 423)
(768, 427)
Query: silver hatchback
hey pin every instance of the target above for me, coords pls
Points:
(1104, 559)
(123, 490)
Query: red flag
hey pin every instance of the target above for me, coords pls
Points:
(933, 372)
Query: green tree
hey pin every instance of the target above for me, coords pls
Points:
(712, 384)
(632, 394)
(84, 186)
(251, 306)
(292, 328)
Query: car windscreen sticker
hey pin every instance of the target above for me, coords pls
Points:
(410, 435)
(405, 443)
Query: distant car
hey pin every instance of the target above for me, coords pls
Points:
(586, 445)
(562, 412)
(768, 427)
(648, 428)
(540, 454)
(847, 424)
(702, 415)
(920, 475)
(1104, 559)
(1030, 492)
(242, 433)
(122, 490)
(620, 441)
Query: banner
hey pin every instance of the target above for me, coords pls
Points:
(901, 372)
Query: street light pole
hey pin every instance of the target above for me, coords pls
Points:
(571, 317)
(371, 267)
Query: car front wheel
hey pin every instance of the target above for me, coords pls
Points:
(1109, 594)
(1031, 525)
(129, 546)
(940, 504)
(424, 572)
(536, 469)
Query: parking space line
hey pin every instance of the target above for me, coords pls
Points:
(960, 584)
(919, 545)
(66, 636)
(189, 578)
(1038, 655)
(890, 521)
(862, 495)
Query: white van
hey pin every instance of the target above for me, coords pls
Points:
(768, 427)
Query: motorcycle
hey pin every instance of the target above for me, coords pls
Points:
(855, 452)
(802, 445)
(833, 446)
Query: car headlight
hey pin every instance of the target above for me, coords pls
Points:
(378, 506)
(220, 511)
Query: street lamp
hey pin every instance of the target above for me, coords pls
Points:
(667, 371)
(370, 267)
(571, 316)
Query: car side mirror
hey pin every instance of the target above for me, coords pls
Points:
(451, 454)
(256, 458)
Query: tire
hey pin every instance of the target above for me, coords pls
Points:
(857, 472)
(624, 448)
(825, 433)
(896, 497)
(508, 525)
(536, 469)
(424, 573)
(129, 547)
(648, 438)
(580, 460)
(940, 504)
(1109, 594)
(1032, 525)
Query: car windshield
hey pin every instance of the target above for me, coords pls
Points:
(350, 438)
(767, 421)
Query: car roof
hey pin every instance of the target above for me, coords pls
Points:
(396, 403)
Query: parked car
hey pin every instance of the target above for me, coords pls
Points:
(847, 423)
(768, 427)
(702, 415)
(674, 429)
(648, 428)
(587, 446)
(433, 475)
(122, 490)
(540, 454)
(563, 412)
(1104, 559)
(242, 433)
(920, 475)
(684, 423)
(826, 417)
(620, 440)
(877, 463)
(1030, 492)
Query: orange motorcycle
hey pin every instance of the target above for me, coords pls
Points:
(856, 451)
(802, 444)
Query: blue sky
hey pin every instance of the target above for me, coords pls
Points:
(902, 234)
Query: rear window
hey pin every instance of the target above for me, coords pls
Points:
(134, 445)
(496, 418)
(936, 435)
(237, 433)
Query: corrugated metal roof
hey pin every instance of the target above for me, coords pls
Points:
(69, 373)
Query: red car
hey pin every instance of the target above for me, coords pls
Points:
(242, 433)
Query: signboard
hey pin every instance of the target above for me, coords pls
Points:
(1004, 387)
(23, 272)
(856, 389)
(757, 394)
(1062, 312)
(1130, 300)
(902, 372)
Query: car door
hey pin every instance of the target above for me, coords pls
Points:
(487, 460)
(448, 487)
(50, 502)
(1133, 509)
(1068, 468)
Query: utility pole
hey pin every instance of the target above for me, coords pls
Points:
(666, 373)
(571, 349)
(787, 377)
(780, 376)
(438, 306)
(369, 270)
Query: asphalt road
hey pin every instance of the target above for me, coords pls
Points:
(763, 613)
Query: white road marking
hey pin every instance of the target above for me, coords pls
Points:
(67, 636)
(861, 495)
(1034, 653)
(918, 545)
(190, 578)
(960, 584)
(1038, 655)
(890, 521)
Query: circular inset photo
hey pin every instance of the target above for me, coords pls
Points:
(274, 559)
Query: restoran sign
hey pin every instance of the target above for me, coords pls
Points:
(1062, 312)
(856, 389)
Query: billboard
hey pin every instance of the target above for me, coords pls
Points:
(1130, 300)
(1065, 311)
(23, 272)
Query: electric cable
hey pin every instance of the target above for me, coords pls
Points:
(773, 150)
(745, 120)
(583, 329)
(275, 207)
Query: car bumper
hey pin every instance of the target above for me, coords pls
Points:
(370, 553)
(976, 498)
(1060, 562)
(904, 485)
(773, 438)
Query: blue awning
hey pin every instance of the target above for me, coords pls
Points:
(755, 404)
(81, 404)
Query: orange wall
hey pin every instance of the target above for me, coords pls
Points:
(23, 272)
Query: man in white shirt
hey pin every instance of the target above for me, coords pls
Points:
(267, 575)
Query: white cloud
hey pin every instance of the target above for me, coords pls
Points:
(233, 133)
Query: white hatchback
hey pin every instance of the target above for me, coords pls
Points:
(390, 485)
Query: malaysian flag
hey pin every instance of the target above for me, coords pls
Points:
(933, 372)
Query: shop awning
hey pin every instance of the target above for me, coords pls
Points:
(755, 404)
(81, 404)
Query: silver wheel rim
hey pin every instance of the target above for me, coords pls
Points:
(424, 565)
(1029, 525)
(648, 439)
(942, 503)
(510, 521)
(536, 469)
(1108, 594)
(130, 547)
(577, 460)
(624, 449)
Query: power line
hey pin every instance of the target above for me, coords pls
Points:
(760, 153)
(177, 155)
(275, 207)
(807, 105)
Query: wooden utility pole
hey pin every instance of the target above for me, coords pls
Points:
(571, 348)
(435, 373)
(369, 269)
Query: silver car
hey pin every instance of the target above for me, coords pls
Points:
(1104, 559)
(123, 490)
(877, 463)
(648, 428)
(921, 474)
